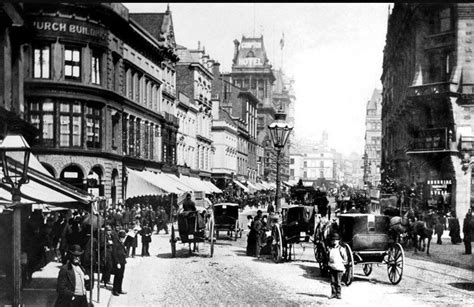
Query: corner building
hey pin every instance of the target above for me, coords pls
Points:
(428, 77)
(101, 90)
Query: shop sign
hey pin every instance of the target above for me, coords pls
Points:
(69, 27)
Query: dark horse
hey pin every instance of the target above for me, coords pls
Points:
(424, 229)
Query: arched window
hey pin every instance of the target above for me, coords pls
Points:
(73, 175)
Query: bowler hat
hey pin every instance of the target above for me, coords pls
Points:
(335, 236)
(76, 250)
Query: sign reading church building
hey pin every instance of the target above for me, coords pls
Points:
(71, 28)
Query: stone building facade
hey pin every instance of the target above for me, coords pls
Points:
(194, 79)
(101, 90)
(373, 140)
(428, 78)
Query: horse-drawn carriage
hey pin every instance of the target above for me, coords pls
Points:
(226, 217)
(194, 227)
(366, 240)
(296, 226)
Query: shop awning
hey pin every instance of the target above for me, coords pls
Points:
(180, 183)
(43, 188)
(241, 186)
(197, 184)
(141, 183)
(212, 186)
(252, 187)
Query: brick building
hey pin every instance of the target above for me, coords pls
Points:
(101, 90)
(427, 111)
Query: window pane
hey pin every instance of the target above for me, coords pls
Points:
(76, 108)
(76, 131)
(35, 120)
(75, 71)
(48, 126)
(68, 70)
(37, 63)
(48, 107)
(45, 63)
(75, 56)
(64, 132)
(68, 55)
(65, 107)
(34, 106)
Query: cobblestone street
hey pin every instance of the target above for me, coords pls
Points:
(231, 278)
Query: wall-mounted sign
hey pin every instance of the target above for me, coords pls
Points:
(72, 28)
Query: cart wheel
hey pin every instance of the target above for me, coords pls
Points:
(211, 236)
(367, 268)
(173, 242)
(321, 257)
(277, 244)
(395, 261)
(348, 275)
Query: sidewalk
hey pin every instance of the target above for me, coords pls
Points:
(42, 289)
(446, 253)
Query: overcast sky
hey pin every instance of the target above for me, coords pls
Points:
(333, 51)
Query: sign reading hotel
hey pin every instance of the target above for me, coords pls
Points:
(72, 28)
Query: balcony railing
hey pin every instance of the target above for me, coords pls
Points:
(431, 140)
(431, 89)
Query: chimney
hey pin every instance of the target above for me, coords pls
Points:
(199, 45)
(216, 69)
(236, 50)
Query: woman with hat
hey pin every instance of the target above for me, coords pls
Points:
(73, 282)
(337, 262)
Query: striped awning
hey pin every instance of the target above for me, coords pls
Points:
(240, 185)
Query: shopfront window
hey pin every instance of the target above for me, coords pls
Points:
(41, 62)
(72, 63)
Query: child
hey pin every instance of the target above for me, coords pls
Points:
(337, 261)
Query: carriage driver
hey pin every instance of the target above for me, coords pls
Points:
(337, 262)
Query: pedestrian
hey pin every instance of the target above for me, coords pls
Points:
(119, 261)
(454, 230)
(466, 229)
(337, 262)
(107, 263)
(73, 282)
(146, 238)
(188, 204)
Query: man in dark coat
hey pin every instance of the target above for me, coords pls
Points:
(146, 238)
(119, 256)
(73, 282)
(188, 204)
(466, 229)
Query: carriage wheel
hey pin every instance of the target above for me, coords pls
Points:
(367, 268)
(348, 275)
(236, 230)
(211, 236)
(173, 242)
(395, 261)
(277, 244)
(321, 257)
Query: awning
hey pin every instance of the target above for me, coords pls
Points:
(197, 184)
(43, 188)
(212, 187)
(241, 186)
(286, 183)
(260, 186)
(252, 187)
(180, 183)
(141, 183)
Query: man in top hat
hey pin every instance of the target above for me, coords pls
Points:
(73, 282)
(119, 256)
(337, 262)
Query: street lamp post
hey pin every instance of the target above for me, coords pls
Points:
(15, 155)
(279, 132)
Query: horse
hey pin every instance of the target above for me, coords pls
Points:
(424, 229)
(401, 227)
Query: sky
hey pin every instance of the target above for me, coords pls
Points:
(334, 52)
